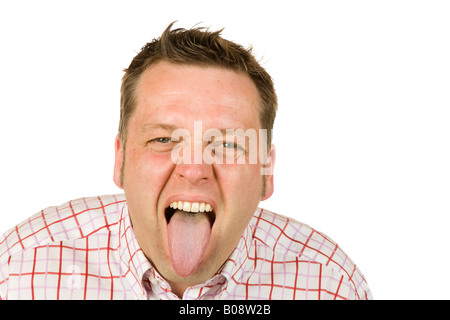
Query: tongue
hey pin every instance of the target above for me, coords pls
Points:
(188, 237)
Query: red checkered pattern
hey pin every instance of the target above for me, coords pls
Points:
(86, 249)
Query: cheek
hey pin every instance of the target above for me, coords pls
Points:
(241, 184)
(146, 170)
(145, 175)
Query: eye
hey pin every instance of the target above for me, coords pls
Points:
(232, 145)
(161, 144)
(229, 145)
(227, 150)
(161, 140)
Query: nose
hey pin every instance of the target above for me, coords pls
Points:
(194, 173)
(189, 162)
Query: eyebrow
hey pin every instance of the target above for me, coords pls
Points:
(170, 127)
(156, 126)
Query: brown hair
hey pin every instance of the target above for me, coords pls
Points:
(201, 47)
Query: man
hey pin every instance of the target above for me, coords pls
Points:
(194, 158)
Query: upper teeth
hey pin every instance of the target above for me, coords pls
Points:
(191, 206)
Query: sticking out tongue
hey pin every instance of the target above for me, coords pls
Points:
(188, 237)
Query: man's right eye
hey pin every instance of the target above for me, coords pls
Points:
(162, 140)
(161, 144)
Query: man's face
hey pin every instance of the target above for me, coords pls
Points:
(171, 97)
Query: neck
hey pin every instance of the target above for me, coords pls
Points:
(178, 288)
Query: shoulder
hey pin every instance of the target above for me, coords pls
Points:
(69, 221)
(289, 236)
(291, 239)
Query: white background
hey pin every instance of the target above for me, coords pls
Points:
(362, 132)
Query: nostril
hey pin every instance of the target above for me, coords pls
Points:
(194, 173)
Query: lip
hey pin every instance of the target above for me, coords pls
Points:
(190, 198)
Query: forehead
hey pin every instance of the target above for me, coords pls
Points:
(180, 94)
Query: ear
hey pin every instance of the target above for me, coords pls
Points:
(118, 162)
(267, 173)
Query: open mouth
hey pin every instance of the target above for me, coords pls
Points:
(192, 208)
(189, 226)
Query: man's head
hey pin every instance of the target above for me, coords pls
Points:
(193, 82)
(201, 48)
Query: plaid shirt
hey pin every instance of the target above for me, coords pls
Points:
(86, 249)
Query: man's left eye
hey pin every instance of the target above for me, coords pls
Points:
(229, 145)
(232, 145)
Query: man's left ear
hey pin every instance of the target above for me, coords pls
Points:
(267, 173)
